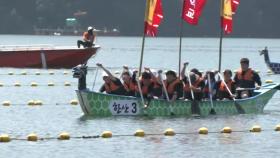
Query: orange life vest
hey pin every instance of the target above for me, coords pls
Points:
(187, 85)
(248, 76)
(87, 36)
(110, 87)
(223, 88)
(144, 88)
(130, 86)
(171, 86)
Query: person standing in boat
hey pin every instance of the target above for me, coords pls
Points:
(197, 84)
(245, 79)
(222, 92)
(88, 38)
(112, 84)
(129, 81)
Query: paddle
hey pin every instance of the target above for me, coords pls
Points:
(238, 107)
(141, 94)
(97, 68)
(212, 111)
(165, 92)
(195, 106)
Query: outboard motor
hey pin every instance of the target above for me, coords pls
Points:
(80, 72)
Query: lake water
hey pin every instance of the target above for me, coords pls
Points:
(56, 115)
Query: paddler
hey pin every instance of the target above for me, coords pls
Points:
(157, 89)
(112, 84)
(212, 82)
(246, 79)
(196, 86)
(147, 86)
(88, 38)
(173, 85)
(129, 81)
(221, 91)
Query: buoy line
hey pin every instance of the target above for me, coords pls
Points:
(138, 133)
(34, 102)
(35, 84)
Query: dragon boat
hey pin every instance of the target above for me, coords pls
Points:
(100, 104)
(273, 66)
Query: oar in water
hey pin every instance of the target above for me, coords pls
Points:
(195, 106)
(166, 94)
(212, 111)
(238, 107)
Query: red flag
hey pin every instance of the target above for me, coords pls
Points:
(229, 8)
(192, 10)
(153, 17)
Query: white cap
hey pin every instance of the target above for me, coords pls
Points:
(90, 28)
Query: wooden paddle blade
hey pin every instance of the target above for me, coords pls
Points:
(212, 111)
(239, 108)
(195, 107)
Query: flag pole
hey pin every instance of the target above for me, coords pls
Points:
(221, 35)
(142, 54)
(180, 46)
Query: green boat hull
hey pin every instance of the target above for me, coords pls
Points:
(100, 104)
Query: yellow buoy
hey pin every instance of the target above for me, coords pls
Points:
(37, 73)
(268, 81)
(64, 136)
(106, 134)
(277, 127)
(23, 73)
(50, 84)
(169, 132)
(51, 73)
(203, 130)
(226, 130)
(6, 103)
(33, 84)
(38, 102)
(139, 133)
(32, 137)
(10, 73)
(74, 102)
(269, 71)
(17, 84)
(1, 84)
(5, 138)
(31, 103)
(65, 72)
(67, 84)
(256, 128)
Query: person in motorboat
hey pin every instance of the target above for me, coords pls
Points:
(88, 38)
(112, 85)
(146, 85)
(246, 80)
(173, 85)
(222, 92)
(206, 90)
(196, 86)
(129, 81)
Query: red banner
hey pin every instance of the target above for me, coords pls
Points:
(153, 17)
(229, 8)
(192, 10)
